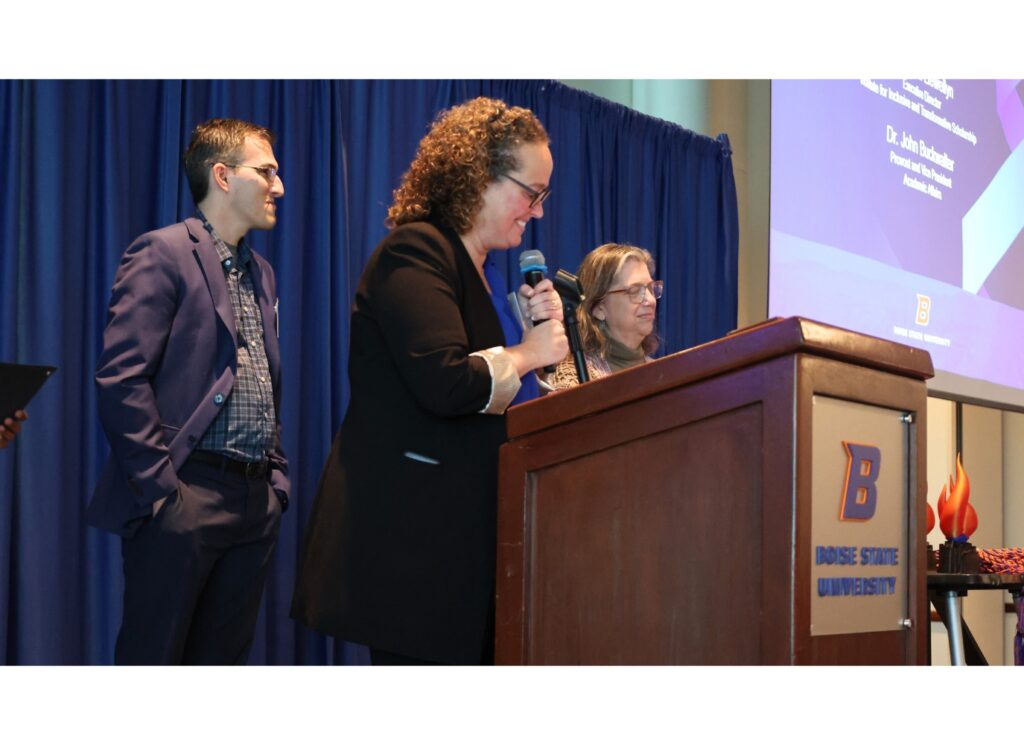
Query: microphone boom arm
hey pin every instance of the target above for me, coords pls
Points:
(569, 288)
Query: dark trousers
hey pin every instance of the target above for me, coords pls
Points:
(194, 573)
(384, 657)
(380, 656)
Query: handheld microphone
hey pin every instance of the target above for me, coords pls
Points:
(533, 268)
(532, 265)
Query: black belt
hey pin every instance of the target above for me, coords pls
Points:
(246, 469)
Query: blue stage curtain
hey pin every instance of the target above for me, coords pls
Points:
(86, 166)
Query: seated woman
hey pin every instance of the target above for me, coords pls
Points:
(616, 321)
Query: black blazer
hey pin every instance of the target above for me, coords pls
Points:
(400, 548)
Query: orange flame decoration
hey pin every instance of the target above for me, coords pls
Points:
(957, 517)
(930, 517)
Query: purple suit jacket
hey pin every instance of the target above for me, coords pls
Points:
(168, 365)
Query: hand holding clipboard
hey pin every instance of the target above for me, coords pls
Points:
(10, 427)
(18, 384)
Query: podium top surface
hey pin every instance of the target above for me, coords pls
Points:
(773, 338)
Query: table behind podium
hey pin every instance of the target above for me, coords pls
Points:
(755, 500)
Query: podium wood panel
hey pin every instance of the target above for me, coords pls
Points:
(597, 611)
(662, 515)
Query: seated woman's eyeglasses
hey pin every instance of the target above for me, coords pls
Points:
(638, 292)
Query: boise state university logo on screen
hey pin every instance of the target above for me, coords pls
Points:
(860, 495)
(924, 310)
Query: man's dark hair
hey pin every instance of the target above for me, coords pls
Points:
(217, 141)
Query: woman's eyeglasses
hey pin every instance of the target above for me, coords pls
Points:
(638, 292)
(536, 197)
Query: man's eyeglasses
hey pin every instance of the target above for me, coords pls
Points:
(267, 172)
(638, 292)
(536, 197)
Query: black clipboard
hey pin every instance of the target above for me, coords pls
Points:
(18, 384)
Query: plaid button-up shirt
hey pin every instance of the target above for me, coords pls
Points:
(246, 427)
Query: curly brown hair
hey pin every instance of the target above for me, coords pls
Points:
(597, 275)
(467, 147)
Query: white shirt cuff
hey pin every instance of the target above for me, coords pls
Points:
(505, 381)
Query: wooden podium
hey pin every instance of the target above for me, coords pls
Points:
(672, 513)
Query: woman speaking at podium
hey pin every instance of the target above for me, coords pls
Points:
(616, 320)
(400, 549)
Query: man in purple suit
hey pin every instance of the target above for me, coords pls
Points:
(189, 396)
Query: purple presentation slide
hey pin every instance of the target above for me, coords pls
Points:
(897, 210)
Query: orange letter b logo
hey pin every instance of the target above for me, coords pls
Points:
(860, 495)
(924, 310)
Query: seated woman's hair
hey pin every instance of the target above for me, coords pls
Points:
(597, 274)
(467, 147)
